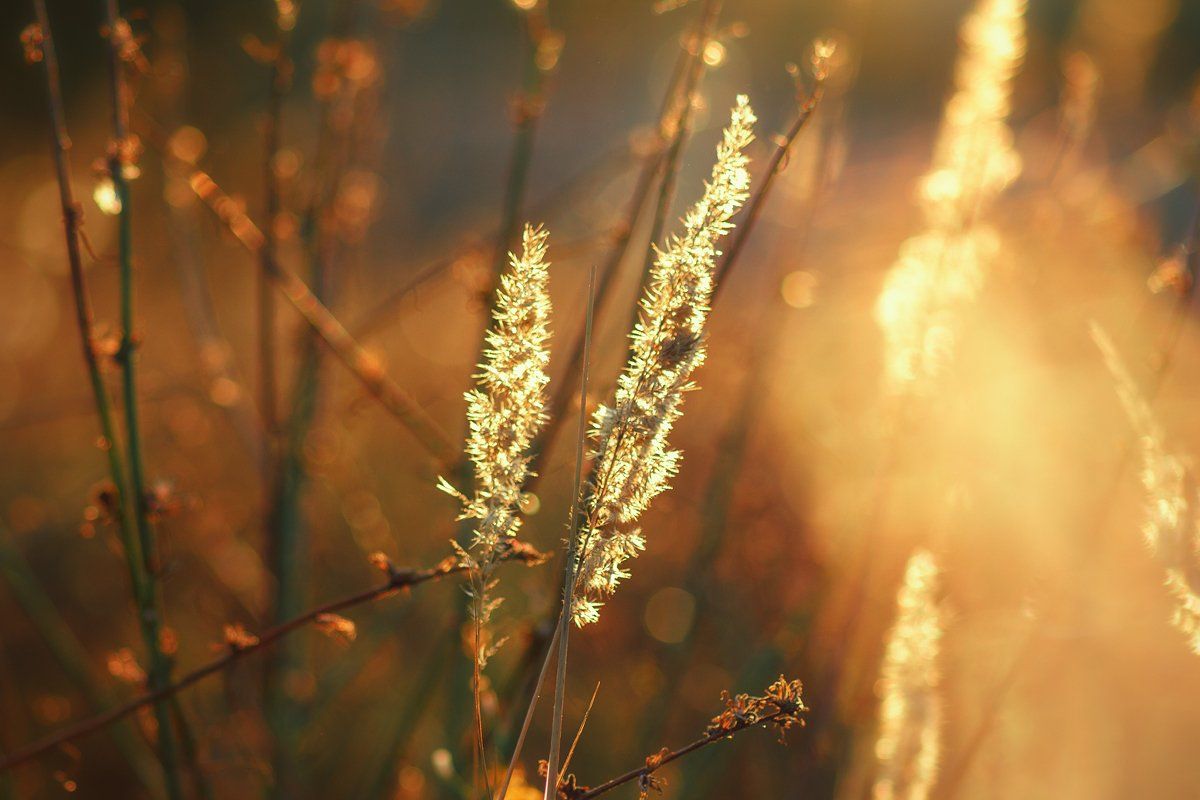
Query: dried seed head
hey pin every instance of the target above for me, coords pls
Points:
(942, 269)
(633, 462)
(505, 412)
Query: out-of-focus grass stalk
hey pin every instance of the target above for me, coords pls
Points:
(288, 527)
(280, 83)
(148, 601)
(72, 219)
(286, 714)
(179, 147)
(693, 73)
(668, 130)
(70, 653)
(367, 369)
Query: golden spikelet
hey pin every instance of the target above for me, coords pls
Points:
(506, 410)
(633, 462)
(910, 712)
(1170, 526)
(941, 269)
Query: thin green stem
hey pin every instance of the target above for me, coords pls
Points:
(148, 601)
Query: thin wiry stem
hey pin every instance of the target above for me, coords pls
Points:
(398, 579)
(149, 601)
(657, 762)
(571, 567)
(528, 720)
(783, 144)
(72, 219)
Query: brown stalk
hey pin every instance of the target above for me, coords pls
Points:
(682, 129)
(398, 579)
(281, 80)
(369, 371)
(121, 152)
(783, 145)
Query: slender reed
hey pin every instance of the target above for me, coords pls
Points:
(570, 562)
(280, 83)
(822, 52)
(132, 526)
(72, 220)
(542, 47)
(121, 167)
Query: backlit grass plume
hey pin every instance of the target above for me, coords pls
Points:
(633, 461)
(1170, 525)
(910, 712)
(505, 411)
(941, 269)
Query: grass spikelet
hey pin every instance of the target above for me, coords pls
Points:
(506, 410)
(633, 461)
(910, 712)
(941, 269)
(1169, 527)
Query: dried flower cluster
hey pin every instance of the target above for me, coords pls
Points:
(1170, 526)
(505, 412)
(782, 706)
(910, 713)
(633, 462)
(941, 269)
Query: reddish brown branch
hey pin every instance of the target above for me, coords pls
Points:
(397, 580)
(778, 160)
(369, 371)
(656, 762)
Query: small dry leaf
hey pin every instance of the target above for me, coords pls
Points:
(31, 41)
(123, 665)
(238, 638)
(336, 626)
(381, 562)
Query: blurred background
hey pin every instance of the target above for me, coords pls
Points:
(804, 486)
